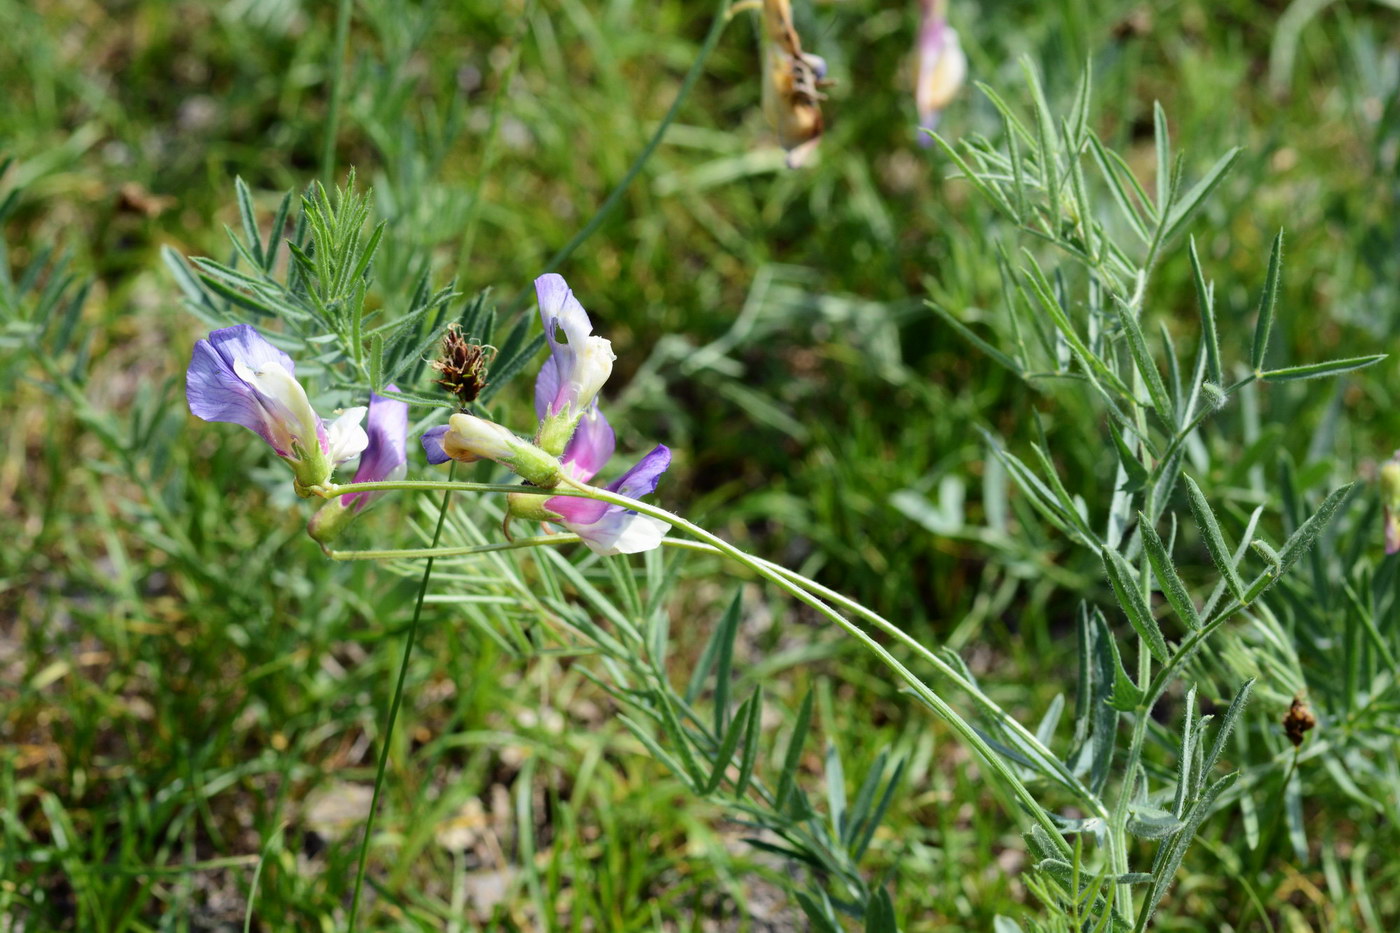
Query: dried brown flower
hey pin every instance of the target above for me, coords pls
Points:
(463, 365)
(1298, 721)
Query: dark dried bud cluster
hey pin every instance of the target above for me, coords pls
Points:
(1298, 721)
(463, 365)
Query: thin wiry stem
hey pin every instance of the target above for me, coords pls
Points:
(394, 704)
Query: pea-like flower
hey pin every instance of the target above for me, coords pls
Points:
(236, 376)
(577, 367)
(605, 528)
(941, 66)
(467, 438)
(1390, 499)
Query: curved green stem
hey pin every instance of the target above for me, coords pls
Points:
(432, 552)
(803, 589)
(331, 490)
(959, 725)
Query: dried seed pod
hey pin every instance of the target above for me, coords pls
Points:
(1298, 721)
(463, 365)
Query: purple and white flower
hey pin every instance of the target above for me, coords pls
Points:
(941, 66)
(237, 376)
(385, 459)
(577, 367)
(606, 528)
(572, 429)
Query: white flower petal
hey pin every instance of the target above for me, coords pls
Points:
(619, 532)
(346, 436)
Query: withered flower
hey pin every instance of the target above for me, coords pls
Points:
(463, 365)
(1298, 720)
(792, 80)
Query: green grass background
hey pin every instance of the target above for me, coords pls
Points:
(188, 685)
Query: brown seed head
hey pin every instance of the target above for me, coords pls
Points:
(1298, 720)
(463, 365)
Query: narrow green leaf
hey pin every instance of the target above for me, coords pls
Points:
(678, 735)
(1125, 695)
(1164, 155)
(752, 732)
(835, 786)
(975, 340)
(376, 362)
(1121, 577)
(1147, 822)
(1301, 540)
(1319, 370)
(706, 662)
(1142, 358)
(1185, 759)
(250, 221)
(276, 232)
(787, 781)
(1267, 302)
(1049, 144)
(725, 754)
(1172, 586)
(1170, 860)
(1191, 201)
(1215, 542)
(1293, 815)
(1205, 301)
(879, 913)
(877, 816)
(242, 299)
(823, 921)
(728, 631)
(1227, 723)
(656, 750)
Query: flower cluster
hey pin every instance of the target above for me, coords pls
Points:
(572, 438)
(236, 376)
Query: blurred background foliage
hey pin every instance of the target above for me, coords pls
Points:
(188, 684)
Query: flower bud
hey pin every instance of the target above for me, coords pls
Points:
(329, 521)
(471, 438)
(468, 438)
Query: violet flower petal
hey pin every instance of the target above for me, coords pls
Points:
(561, 311)
(591, 446)
(641, 480)
(216, 392)
(599, 522)
(546, 387)
(432, 444)
(385, 458)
